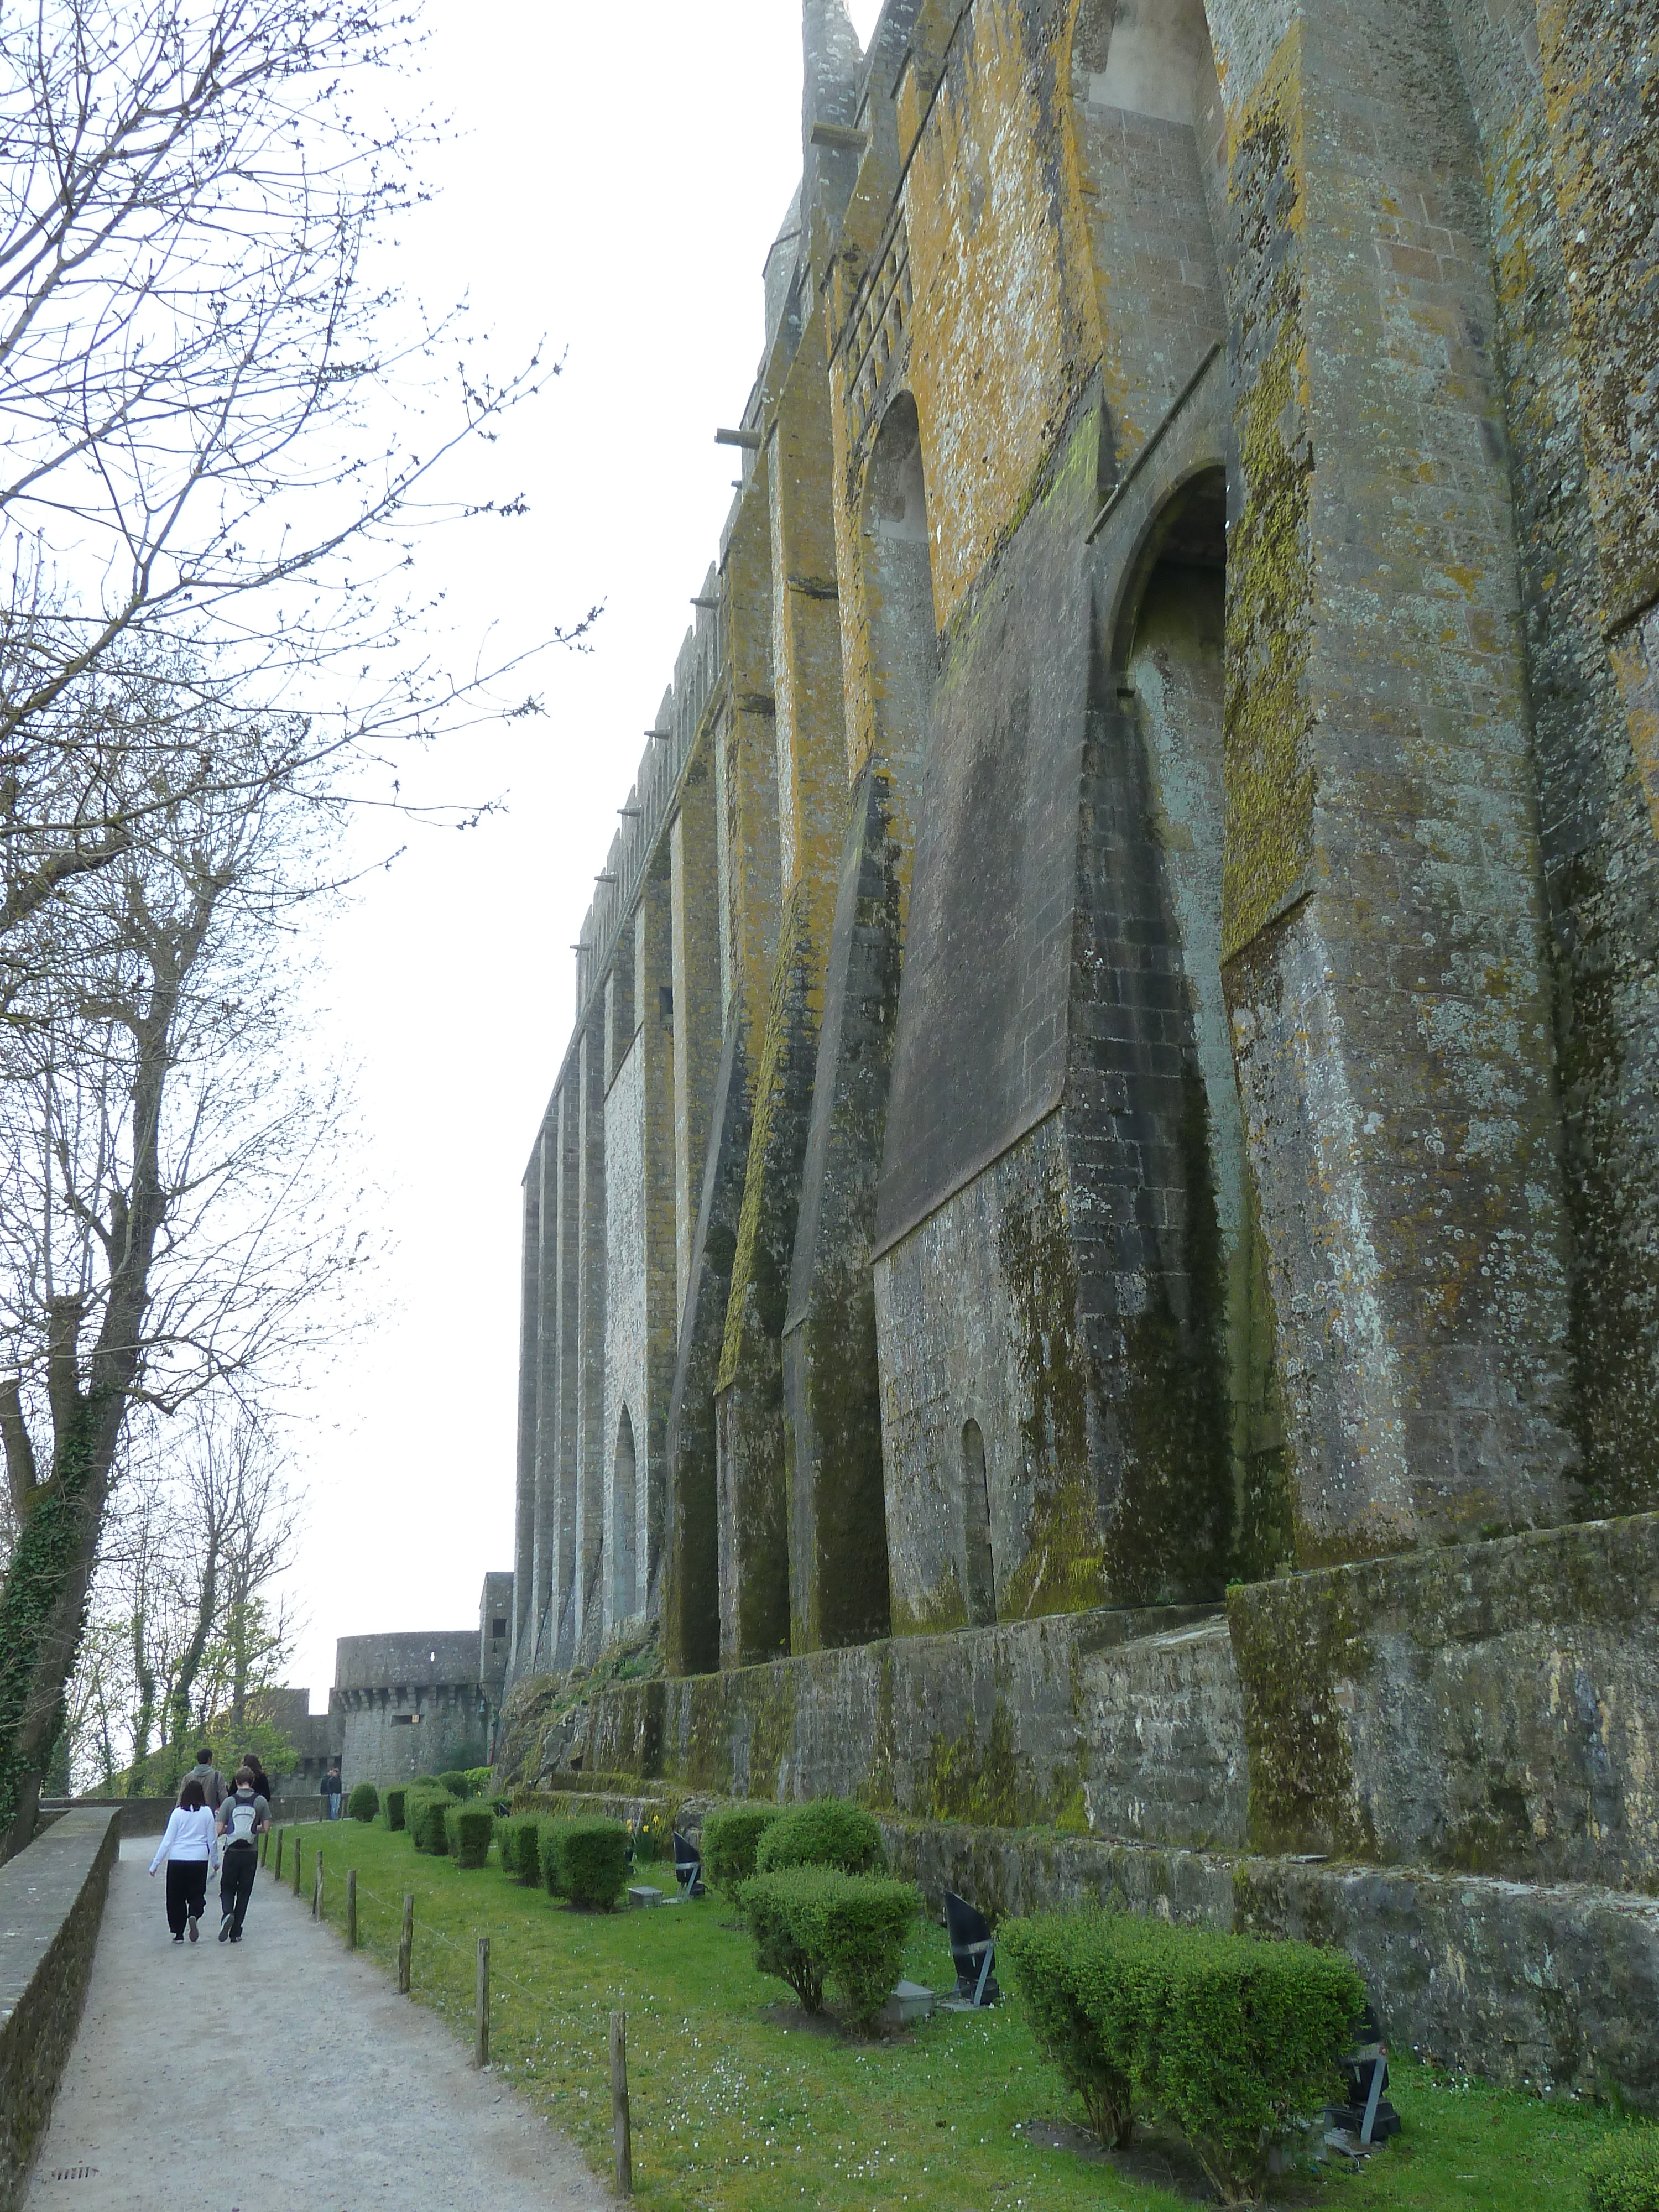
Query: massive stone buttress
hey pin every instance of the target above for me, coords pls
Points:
(1116, 1045)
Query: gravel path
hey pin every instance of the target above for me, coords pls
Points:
(347, 2095)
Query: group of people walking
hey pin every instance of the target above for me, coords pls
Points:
(211, 1826)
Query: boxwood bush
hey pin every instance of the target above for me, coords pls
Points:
(1232, 2039)
(515, 1837)
(479, 1776)
(397, 1800)
(830, 1831)
(364, 1801)
(423, 1816)
(468, 1830)
(459, 1781)
(729, 1839)
(593, 1861)
(817, 1929)
(547, 1854)
(1623, 2176)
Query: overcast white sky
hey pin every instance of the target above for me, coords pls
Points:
(618, 180)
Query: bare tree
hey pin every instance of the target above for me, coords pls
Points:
(171, 1219)
(188, 349)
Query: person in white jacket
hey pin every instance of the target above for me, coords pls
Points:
(190, 1847)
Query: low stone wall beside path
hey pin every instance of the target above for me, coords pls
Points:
(140, 1816)
(52, 1901)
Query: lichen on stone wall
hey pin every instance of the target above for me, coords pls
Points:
(1268, 718)
(1295, 1641)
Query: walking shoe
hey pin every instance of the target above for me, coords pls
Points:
(237, 1937)
(177, 1939)
(224, 1928)
(191, 1925)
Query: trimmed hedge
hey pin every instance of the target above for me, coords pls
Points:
(548, 1833)
(729, 1840)
(830, 1831)
(515, 1837)
(423, 1816)
(459, 1781)
(364, 1801)
(816, 1928)
(469, 1830)
(1623, 2176)
(1230, 2038)
(479, 1776)
(592, 1857)
(397, 1803)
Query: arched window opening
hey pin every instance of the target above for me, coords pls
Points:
(1173, 665)
(976, 1526)
(623, 1515)
(899, 593)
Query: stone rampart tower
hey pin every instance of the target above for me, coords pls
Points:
(1117, 1045)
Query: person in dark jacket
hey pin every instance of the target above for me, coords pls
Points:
(212, 1782)
(332, 1791)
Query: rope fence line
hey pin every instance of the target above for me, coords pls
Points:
(437, 1935)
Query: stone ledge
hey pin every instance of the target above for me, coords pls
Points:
(52, 1901)
(1548, 1986)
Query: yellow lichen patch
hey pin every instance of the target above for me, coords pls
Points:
(1270, 780)
(989, 362)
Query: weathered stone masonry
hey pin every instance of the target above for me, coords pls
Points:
(1117, 1047)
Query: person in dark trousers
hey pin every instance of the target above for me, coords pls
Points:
(212, 1782)
(331, 1791)
(243, 1819)
(189, 1846)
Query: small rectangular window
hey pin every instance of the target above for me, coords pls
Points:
(402, 1720)
(498, 1628)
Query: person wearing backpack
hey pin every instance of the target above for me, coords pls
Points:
(212, 1782)
(243, 1819)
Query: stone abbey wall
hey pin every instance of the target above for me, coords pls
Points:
(1115, 1049)
(1091, 1269)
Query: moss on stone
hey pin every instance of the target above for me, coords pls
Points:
(966, 1782)
(1063, 1567)
(1268, 715)
(1293, 1642)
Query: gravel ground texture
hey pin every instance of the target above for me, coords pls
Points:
(346, 2094)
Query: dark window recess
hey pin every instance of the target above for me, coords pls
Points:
(402, 1720)
(498, 1628)
(666, 1001)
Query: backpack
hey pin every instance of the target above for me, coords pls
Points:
(244, 1820)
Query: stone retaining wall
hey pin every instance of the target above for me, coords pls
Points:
(52, 1900)
(1548, 1986)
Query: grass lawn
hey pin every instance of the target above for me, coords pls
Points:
(736, 2111)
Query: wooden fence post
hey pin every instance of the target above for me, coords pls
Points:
(480, 2036)
(621, 2127)
(351, 1908)
(406, 1944)
(297, 1864)
(317, 1890)
(281, 1832)
(264, 1846)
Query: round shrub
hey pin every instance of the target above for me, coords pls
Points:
(814, 1926)
(593, 1861)
(423, 1816)
(458, 1781)
(1623, 2176)
(468, 1830)
(1230, 2038)
(479, 1778)
(397, 1801)
(364, 1801)
(828, 1832)
(547, 1854)
(515, 1838)
(729, 1840)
